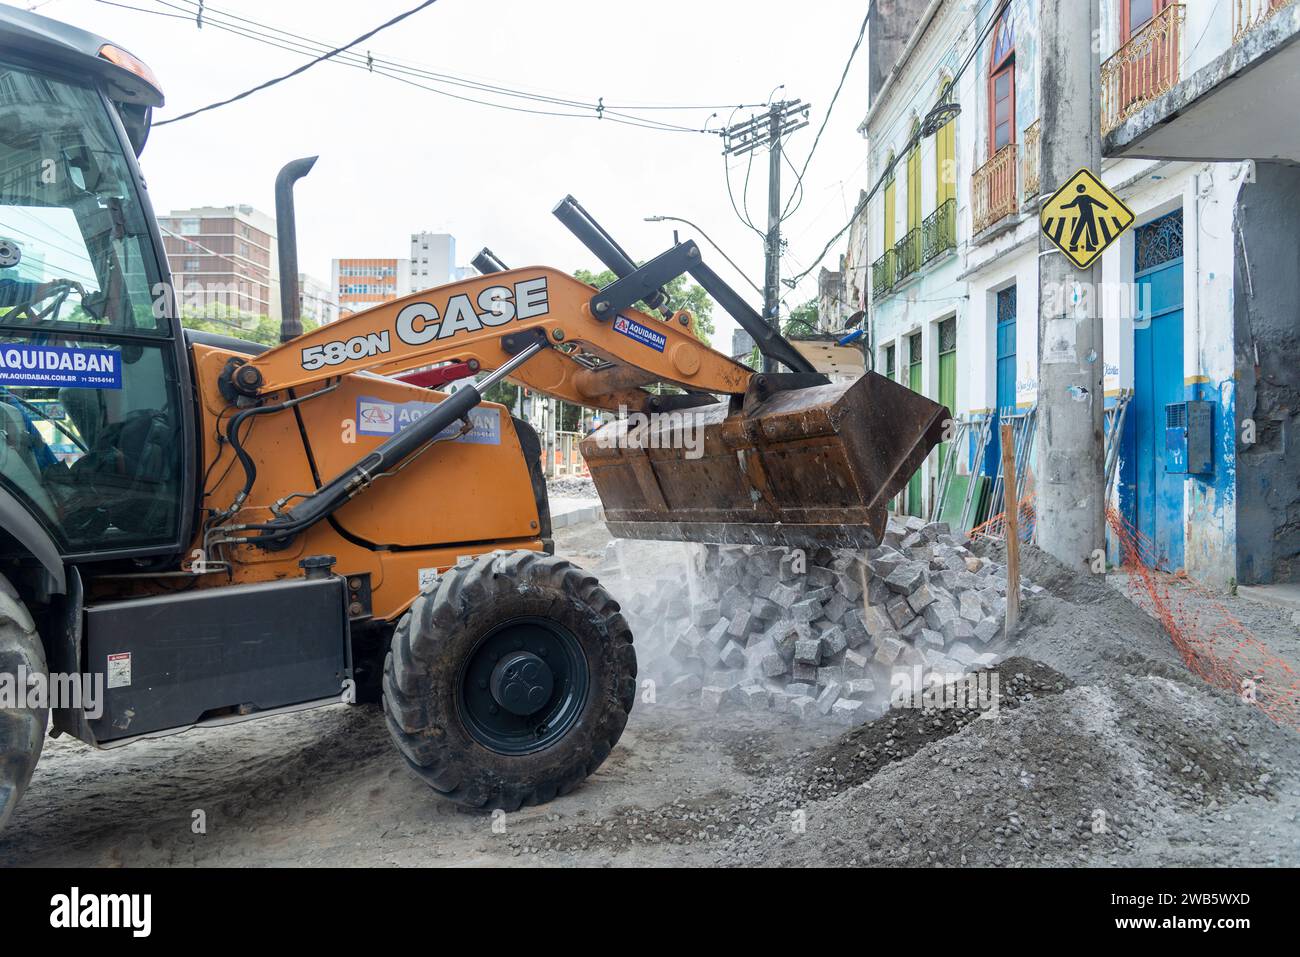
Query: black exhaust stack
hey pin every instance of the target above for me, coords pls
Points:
(286, 230)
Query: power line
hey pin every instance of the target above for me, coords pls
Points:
(744, 219)
(721, 251)
(798, 187)
(768, 129)
(373, 65)
(295, 43)
(450, 78)
(862, 32)
(302, 69)
(403, 72)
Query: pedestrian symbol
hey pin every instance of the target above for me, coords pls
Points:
(1083, 218)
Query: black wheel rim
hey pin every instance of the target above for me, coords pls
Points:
(523, 686)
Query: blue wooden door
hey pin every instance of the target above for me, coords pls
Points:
(1005, 334)
(1157, 497)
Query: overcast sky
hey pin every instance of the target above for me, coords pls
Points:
(395, 159)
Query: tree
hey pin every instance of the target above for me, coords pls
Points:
(222, 320)
(681, 295)
(802, 320)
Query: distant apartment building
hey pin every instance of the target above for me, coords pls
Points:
(316, 300)
(433, 261)
(223, 256)
(359, 284)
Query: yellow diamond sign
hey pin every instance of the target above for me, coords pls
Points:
(1083, 218)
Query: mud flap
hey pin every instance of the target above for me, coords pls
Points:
(802, 467)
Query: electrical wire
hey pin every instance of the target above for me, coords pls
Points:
(402, 74)
(411, 74)
(731, 195)
(797, 191)
(862, 32)
(301, 69)
(207, 12)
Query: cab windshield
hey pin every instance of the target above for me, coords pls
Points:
(89, 435)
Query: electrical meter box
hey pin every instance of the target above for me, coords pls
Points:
(1189, 435)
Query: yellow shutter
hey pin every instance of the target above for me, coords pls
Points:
(914, 188)
(889, 215)
(945, 155)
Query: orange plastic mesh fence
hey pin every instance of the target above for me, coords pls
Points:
(1211, 641)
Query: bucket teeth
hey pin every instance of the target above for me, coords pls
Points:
(805, 467)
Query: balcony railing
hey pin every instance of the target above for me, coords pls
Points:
(1249, 14)
(939, 231)
(882, 273)
(907, 254)
(993, 189)
(1142, 69)
(1030, 163)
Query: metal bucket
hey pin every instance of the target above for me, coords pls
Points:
(796, 467)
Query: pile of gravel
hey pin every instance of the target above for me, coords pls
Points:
(571, 486)
(815, 635)
(1112, 753)
(1136, 770)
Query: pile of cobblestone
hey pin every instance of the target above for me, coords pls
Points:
(816, 634)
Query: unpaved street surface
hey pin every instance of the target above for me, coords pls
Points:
(1104, 750)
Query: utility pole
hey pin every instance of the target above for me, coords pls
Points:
(768, 129)
(1071, 485)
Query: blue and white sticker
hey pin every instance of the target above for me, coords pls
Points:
(69, 367)
(381, 417)
(639, 333)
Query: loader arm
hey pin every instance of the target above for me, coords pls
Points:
(601, 363)
(784, 458)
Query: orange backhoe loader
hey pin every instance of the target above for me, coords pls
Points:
(197, 530)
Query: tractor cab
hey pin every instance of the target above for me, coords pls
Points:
(92, 373)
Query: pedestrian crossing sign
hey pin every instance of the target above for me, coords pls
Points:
(1083, 218)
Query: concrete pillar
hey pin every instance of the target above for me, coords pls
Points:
(1071, 486)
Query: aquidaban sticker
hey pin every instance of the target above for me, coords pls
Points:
(379, 417)
(639, 333)
(71, 367)
(119, 670)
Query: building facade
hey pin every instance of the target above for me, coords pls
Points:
(1197, 299)
(223, 258)
(907, 237)
(359, 284)
(433, 261)
(316, 300)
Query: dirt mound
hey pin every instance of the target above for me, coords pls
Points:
(868, 749)
(1139, 770)
(1083, 625)
(1111, 752)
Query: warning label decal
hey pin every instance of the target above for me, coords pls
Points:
(119, 670)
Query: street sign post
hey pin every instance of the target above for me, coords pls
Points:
(1083, 218)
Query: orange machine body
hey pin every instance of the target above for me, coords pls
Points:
(462, 497)
(466, 495)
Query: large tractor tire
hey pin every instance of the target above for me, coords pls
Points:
(22, 730)
(509, 680)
